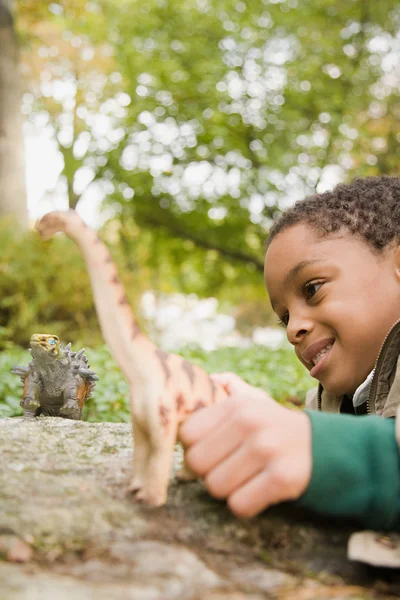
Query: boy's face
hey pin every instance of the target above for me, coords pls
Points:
(337, 299)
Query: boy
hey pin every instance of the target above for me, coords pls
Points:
(332, 272)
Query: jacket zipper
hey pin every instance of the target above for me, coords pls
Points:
(378, 362)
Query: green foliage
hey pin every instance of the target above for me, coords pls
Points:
(276, 371)
(43, 288)
(110, 401)
(10, 385)
(169, 265)
(264, 96)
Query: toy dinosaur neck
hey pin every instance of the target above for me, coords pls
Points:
(129, 346)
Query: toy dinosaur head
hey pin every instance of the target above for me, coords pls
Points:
(44, 343)
(55, 222)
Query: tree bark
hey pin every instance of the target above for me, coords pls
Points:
(12, 175)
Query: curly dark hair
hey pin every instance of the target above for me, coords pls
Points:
(368, 208)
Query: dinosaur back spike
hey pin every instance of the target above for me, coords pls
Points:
(19, 370)
(88, 373)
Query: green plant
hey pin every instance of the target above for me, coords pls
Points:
(278, 372)
(10, 385)
(44, 287)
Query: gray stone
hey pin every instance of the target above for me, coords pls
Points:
(66, 515)
(262, 579)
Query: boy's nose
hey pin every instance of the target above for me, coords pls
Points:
(297, 328)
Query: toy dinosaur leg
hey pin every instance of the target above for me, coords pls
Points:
(71, 409)
(30, 402)
(29, 414)
(140, 458)
(31, 408)
(155, 485)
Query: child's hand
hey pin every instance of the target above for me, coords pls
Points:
(249, 449)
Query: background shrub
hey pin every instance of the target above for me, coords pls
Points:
(44, 287)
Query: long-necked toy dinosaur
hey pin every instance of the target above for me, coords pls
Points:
(164, 388)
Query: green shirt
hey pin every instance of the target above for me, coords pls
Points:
(356, 469)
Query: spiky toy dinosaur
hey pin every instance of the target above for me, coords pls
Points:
(57, 381)
(164, 388)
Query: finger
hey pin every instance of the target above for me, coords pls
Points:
(268, 487)
(242, 464)
(219, 443)
(251, 498)
(203, 421)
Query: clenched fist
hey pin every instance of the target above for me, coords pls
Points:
(249, 449)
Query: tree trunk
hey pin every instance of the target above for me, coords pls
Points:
(12, 175)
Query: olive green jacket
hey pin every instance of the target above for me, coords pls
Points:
(381, 549)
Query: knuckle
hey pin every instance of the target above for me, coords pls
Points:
(244, 418)
(230, 375)
(261, 446)
(224, 377)
(280, 479)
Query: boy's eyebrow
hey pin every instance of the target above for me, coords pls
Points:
(294, 271)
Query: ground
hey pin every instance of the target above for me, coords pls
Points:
(68, 529)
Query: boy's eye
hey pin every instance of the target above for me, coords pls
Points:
(283, 321)
(311, 288)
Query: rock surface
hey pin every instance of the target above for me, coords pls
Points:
(69, 530)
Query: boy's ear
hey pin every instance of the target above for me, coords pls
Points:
(397, 261)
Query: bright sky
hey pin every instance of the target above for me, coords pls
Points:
(42, 168)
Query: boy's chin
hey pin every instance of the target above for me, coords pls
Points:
(338, 389)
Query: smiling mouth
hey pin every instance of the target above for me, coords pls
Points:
(319, 360)
(321, 354)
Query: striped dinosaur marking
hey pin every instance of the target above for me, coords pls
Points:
(200, 404)
(164, 412)
(163, 358)
(163, 387)
(189, 370)
(180, 402)
(214, 390)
